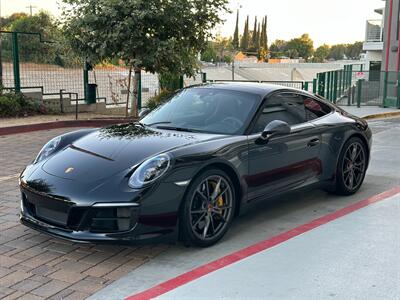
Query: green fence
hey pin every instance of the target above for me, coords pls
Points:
(353, 86)
(31, 64)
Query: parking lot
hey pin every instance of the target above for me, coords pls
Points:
(35, 266)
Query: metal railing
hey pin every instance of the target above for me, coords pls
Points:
(350, 86)
(374, 31)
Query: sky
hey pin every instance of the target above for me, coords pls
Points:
(327, 21)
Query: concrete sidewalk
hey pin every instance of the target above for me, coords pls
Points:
(38, 119)
(354, 256)
(371, 111)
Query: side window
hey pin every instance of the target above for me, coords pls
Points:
(287, 107)
(315, 109)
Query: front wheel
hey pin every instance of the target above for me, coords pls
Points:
(352, 167)
(208, 209)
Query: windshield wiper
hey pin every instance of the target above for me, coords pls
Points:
(178, 128)
(139, 124)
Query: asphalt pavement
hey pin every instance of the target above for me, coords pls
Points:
(270, 219)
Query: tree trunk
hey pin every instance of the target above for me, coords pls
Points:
(129, 92)
(136, 81)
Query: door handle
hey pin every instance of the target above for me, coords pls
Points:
(313, 142)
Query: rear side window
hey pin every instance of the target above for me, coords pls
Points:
(287, 107)
(315, 109)
(291, 108)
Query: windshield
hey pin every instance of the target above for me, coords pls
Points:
(207, 110)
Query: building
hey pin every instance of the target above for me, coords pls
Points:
(373, 45)
(391, 53)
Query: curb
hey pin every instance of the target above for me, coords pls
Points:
(60, 124)
(382, 115)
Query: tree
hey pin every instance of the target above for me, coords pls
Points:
(219, 50)
(353, 51)
(254, 45)
(6, 22)
(209, 54)
(301, 47)
(264, 34)
(322, 53)
(244, 43)
(224, 48)
(337, 52)
(153, 35)
(235, 41)
(258, 40)
(31, 47)
(278, 48)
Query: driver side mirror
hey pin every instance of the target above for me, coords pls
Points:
(143, 112)
(275, 127)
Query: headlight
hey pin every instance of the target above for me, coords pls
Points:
(150, 170)
(48, 149)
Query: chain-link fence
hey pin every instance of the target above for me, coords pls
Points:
(37, 68)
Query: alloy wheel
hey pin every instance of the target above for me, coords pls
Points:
(211, 207)
(354, 165)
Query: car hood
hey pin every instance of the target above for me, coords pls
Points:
(113, 149)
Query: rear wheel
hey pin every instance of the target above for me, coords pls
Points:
(352, 167)
(208, 209)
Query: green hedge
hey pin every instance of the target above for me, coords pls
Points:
(18, 105)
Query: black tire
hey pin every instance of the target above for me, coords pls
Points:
(199, 208)
(350, 172)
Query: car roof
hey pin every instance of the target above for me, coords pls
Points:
(262, 89)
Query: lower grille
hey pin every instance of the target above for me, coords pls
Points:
(66, 215)
(47, 209)
(52, 216)
(113, 219)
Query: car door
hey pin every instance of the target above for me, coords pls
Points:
(285, 161)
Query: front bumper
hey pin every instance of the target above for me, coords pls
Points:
(66, 219)
(101, 222)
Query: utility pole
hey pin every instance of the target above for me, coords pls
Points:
(31, 7)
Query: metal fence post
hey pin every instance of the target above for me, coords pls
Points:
(85, 80)
(385, 82)
(314, 85)
(181, 82)
(349, 94)
(359, 91)
(350, 74)
(306, 86)
(328, 86)
(335, 86)
(61, 101)
(204, 77)
(139, 96)
(321, 84)
(16, 67)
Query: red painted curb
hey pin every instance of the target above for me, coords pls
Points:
(60, 124)
(194, 274)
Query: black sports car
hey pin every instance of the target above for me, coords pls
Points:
(191, 165)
